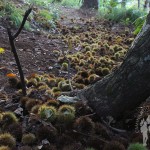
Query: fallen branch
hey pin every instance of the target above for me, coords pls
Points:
(104, 141)
(13, 48)
(114, 129)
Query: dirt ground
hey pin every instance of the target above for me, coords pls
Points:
(34, 49)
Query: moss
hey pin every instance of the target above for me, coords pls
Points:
(28, 139)
(7, 139)
(136, 146)
(47, 113)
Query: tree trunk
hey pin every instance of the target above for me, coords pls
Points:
(138, 4)
(123, 3)
(146, 5)
(127, 87)
(90, 4)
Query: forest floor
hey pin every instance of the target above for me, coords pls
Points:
(35, 49)
(88, 43)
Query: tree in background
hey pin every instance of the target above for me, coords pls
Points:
(138, 4)
(90, 4)
(123, 3)
(147, 5)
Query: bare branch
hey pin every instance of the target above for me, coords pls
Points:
(13, 48)
(23, 22)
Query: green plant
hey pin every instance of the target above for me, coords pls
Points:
(15, 14)
(112, 4)
(71, 3)
(136, 146)
(126, 21)
(7, 139)
(138, 23)
(122, 14)
(39, 3)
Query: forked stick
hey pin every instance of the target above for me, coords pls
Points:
(13, 48)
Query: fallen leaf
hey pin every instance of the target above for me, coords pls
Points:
(11, 75)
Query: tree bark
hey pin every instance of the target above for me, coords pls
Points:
(127, 87)
(90, 4)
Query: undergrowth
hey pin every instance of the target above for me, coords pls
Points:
(15, 14)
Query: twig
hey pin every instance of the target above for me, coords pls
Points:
(114, 129)
(13, 48)
(23, 22)
(89, 115)
(89, 136)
